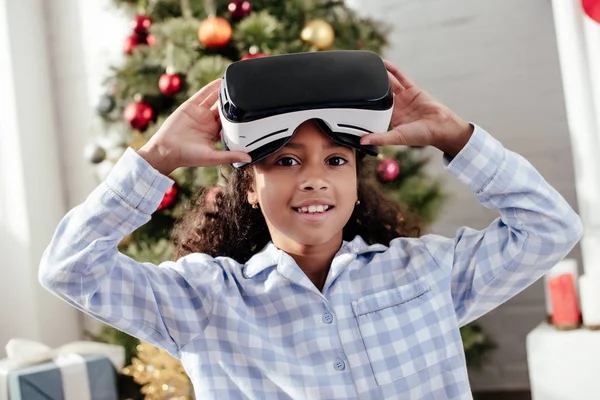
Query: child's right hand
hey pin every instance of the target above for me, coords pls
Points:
(187, 137)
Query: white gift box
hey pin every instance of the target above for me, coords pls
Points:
(563, 365)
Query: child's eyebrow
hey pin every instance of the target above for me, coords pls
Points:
(331, 145)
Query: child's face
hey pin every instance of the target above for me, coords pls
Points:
(310, 170)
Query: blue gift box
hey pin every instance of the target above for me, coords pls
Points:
(44, 382)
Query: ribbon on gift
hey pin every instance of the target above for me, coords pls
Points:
(68, 358)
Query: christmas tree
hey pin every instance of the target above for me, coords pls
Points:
(178, 46)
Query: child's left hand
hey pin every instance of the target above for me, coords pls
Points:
(420, 120)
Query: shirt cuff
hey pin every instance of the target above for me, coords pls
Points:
(137, 182)
(478, 162)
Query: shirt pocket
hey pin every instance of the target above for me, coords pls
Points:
(401, 329)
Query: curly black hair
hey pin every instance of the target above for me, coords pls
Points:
(228, 226)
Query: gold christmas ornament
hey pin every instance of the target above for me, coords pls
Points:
(126, 240)
(137, 140)
(319, 33)
(161, 375)
(214, 32)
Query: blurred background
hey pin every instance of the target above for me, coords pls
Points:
(82, 80)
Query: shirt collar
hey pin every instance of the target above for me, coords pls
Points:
(271, 256)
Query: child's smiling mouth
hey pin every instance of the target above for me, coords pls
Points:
(313, 213)
(320, 208)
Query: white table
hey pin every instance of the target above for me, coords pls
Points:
(563, 365)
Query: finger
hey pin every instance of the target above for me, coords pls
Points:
(396, 86)
(219, 157)
(411, 134)
(201, 94)
(215, 111)
(210, 99)
(404, 80)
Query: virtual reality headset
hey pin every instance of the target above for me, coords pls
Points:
(262, 101)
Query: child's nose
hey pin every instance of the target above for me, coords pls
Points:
(313, 178)
(309, 186)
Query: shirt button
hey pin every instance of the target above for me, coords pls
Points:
(327, 317)
(339, 365)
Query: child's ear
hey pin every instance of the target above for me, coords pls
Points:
(252, 198)
(251, 193)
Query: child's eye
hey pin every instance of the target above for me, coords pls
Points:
(287, 162)
(336, 161)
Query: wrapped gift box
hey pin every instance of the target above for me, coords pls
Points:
(44, 381)
(74, 371)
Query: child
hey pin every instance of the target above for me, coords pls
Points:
(289, 290)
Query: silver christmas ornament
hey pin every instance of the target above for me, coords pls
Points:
(95, 153)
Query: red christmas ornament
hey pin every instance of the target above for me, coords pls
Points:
(388, 170)
(239, 8)
(150, 40)
(168, 198)
(250, 56)
(131, 42)
(592, 9)
(140, 24)
(214, 32)
(139, 115)
(253, 53)
(169, 84)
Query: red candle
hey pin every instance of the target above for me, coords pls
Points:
(565, 307)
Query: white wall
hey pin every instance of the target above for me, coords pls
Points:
(31, 195)
(493, 61)
(54, 55)
(85, 38)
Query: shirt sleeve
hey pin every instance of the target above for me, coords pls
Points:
(165, 305)
(535, 230)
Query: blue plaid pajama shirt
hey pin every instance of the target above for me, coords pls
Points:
(386, 324)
